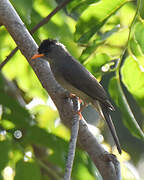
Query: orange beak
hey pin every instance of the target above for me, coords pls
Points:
(37, 56)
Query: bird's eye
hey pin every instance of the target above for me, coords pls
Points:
(46, 46)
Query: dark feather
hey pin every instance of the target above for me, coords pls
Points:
(110, 124)
(80, 78)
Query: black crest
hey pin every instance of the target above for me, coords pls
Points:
(46, 46)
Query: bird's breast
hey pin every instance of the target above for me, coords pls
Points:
(66, 85)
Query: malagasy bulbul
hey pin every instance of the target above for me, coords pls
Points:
(71, 75)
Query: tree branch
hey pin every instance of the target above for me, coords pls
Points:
(35, 28)
(28, 47)
(72, 145)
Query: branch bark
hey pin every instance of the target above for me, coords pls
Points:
(10, 19)
(73, 140)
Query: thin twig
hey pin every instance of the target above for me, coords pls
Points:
(72, 145)
(46, 19)
(35, 28)
(8, 57)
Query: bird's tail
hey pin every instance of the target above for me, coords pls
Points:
(105, 112)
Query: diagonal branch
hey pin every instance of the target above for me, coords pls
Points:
(10, 19)
(46, 19)
(35, 28)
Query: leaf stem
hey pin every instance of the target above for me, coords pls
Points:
(130, 30)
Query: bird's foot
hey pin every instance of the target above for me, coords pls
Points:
(81, 109)
(80, 115)
(72, 95)
(82, 106)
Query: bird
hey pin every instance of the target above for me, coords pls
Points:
(75, 78)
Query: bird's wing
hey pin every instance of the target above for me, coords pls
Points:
(75, 74)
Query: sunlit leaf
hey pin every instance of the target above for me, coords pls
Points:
(48, 119)
(126, 14)
(88, 51)
(90, 167)
(94, 17)
(82, 173)
(135, 48)
(128, 117)
(139, 34)
(76, 7)
(19, 69)
(141, 9)
(132, 77)
(94, 64)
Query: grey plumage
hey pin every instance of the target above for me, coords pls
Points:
(76, 79)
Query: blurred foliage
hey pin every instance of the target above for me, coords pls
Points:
(33, 142)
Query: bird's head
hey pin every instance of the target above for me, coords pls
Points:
(49, 49)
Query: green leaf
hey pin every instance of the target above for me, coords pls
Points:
(128, 117)
(89, 50)
(95, 44)
(59, 146)
(132, 76)
(135, 48)
(95, 64)
(82, 173)
(94, 17)
(139, 35)
(76, 7)
(142, 9)
(27, 170)
(82, 165)
(14, 111)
